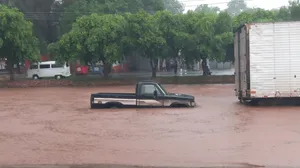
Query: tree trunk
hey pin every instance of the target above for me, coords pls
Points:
(154, 64)
(11, 75)
(153, 73)
(10, 70)
(19, 68)
(175, 67)
(106, 70)
(205, 68)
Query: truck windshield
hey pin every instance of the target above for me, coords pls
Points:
(163, 89)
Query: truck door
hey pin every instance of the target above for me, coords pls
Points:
(146, 96)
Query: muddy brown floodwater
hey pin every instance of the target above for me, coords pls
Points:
(56, 126)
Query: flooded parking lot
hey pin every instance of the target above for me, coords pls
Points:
(56, 126)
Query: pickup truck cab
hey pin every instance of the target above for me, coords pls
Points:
(148, 94)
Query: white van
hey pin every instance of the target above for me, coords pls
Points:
(48, 69)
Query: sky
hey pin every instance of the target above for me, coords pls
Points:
(266, 4)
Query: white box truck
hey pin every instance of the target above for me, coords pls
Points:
(267, 61)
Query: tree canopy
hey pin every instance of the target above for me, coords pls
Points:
(207, 9)
(107, 31)
(92, 38)
(87, 7)
(17, 41)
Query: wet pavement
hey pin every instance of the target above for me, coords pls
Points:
(56, 126)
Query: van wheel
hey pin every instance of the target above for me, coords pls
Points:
(58, 77)
(35, 77)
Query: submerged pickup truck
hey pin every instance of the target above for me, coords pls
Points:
(148, 94)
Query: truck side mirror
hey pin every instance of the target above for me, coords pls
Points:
(155, 93)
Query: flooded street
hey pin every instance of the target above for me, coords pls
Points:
(56, 126)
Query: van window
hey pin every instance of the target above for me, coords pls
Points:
(57, 65)
(33, 66)
(44, 66)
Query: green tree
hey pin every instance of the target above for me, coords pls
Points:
(80, 8)
(241, 19)
(197, 47)
(17, 41)
(93, 38)
(257, 15)
(172, 29)
(209, 37)
(224, 37)
(146, 37)
(39, 13)
(188, 23)
(174, 6)
(207, 9)
(294, 8)
(283, 14)
(262, 15)
(67, 48)
(235, 7)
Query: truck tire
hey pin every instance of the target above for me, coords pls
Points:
(177, 105)
(114, 105)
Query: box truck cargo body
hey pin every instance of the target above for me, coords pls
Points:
(267, 61)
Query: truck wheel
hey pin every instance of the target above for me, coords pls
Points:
(113, 105)
(176, 105)
(35, 77)
(116, 106)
